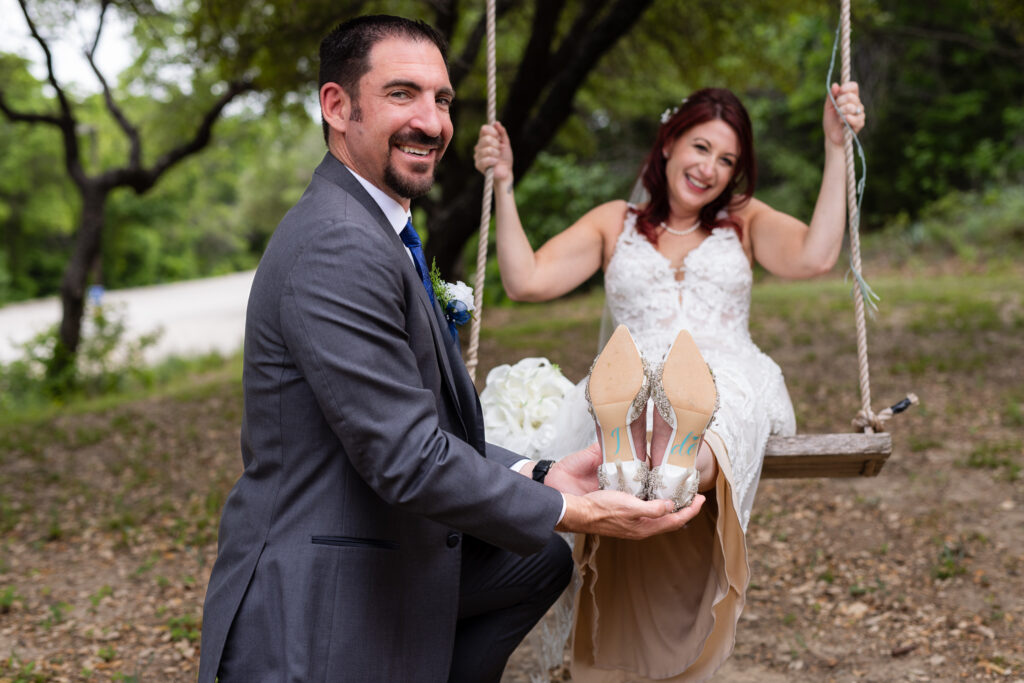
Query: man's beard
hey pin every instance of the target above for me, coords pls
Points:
(416, 186)
(410, 188)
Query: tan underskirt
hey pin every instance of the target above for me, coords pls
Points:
(665, 608)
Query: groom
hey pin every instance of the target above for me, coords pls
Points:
(374, 535)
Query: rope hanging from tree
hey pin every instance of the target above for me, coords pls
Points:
(866, 420)
(485, 211)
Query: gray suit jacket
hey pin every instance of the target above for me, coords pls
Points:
(363, 445)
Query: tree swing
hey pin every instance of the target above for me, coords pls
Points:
(855, 454)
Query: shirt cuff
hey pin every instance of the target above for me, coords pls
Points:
(518, 466)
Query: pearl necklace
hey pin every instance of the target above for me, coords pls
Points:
(679, 233)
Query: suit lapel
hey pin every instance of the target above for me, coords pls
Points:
(338, 173)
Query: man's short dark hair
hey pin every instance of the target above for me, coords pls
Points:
(345, 51)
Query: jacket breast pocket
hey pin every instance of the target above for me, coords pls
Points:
(354, 542)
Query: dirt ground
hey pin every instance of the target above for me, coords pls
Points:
(108, 514)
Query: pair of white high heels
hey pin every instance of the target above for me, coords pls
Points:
(618, 387)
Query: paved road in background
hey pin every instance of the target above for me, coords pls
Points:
(196, 316)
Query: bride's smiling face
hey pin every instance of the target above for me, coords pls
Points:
(700, 163)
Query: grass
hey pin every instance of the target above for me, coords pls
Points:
(1003, 456)
(950, 562)
(184, 379)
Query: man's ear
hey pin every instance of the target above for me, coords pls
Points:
(335, 106)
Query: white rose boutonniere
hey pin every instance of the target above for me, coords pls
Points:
(456, 299)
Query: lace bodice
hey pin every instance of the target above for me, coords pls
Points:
(712, 301)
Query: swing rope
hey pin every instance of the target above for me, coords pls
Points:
(866, 419)
(870, 422)
(485, 212)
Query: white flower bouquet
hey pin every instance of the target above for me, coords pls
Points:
(517, 402)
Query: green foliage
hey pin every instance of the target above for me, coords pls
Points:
(37, 203)
(560, 189)
(950, 562)
(1002, 455)
(184, 628)
(108, 361)
(103, 592)
(17, 671)
(8, 596)
(973, 226)
(58, 611)
(214, 215)
(945, 101)
(942, 85)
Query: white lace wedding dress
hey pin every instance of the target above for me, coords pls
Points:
(666, 608)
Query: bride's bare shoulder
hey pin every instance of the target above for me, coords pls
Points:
(608, 217)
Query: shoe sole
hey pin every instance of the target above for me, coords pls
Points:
(616, 379)
(690, 390)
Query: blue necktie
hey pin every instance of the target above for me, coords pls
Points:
(411, 240)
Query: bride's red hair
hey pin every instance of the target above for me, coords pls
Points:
(702, 106)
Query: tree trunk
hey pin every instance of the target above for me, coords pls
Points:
(540, 101)
(72, 289)
(453, 223)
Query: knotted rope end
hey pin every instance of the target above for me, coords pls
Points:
(876, 421)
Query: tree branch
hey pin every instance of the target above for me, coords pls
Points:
(66, 121)
(961, 38)
(446, 16)
(135, 153)
(533, 75)
(460, 66)
(99, 26)
(24, 117)
(588, 50)
(141, 180)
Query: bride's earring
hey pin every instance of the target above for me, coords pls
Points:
(617, 392)
(686, 400)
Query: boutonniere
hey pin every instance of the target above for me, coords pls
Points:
(456, 299)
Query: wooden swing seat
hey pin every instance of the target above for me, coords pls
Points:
(826, 455)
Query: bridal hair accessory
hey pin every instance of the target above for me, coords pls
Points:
(456, 299)
(671, 111)
(680, 233)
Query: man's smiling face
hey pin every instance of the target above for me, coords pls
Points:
(400, 124)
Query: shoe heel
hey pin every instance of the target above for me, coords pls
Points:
(616, 388)
(687, 399)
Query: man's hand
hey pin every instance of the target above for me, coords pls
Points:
(618, 514)
(609, 513)
(576, 473)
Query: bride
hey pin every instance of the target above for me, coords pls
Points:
(666, 608)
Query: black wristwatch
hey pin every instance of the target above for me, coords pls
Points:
(540, 470)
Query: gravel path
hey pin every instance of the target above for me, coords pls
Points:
(196, 316)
